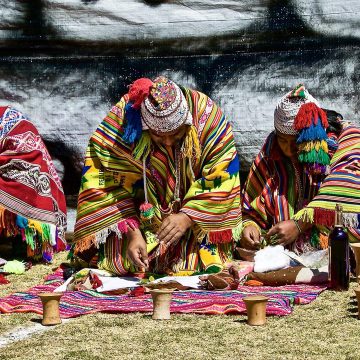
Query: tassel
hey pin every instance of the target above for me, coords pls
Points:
(131, 223)
(323, 241)
(324, 217)
(21, 222)
(313, 156)
(220, 237)
(147, 211)
(314, 145)
(306, 215)
(133, 127)
(309, 114)
(314, 132)
(191, 144)
(236, 232)
(84, 243)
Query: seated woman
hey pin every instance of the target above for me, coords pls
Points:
(32, 201)
(310, 149)
(160, 187)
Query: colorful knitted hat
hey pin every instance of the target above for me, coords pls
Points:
(165, 109)
(288, 107)
(160, 106)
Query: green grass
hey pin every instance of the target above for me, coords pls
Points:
(327, 328)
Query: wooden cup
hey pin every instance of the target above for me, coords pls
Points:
(161, 303)
(51, 313)
(256, 309)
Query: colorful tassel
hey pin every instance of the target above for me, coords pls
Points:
(311, 122)
(147, 211)
(314, 132)
(310, 114)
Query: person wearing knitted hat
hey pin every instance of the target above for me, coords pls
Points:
(160, 189)
(294, 167)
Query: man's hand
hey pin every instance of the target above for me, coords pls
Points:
(173, 228)
(286, 232)
(136, 251)
(250, 238)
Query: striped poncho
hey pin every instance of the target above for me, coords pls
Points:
(278, 189)
(112, 183)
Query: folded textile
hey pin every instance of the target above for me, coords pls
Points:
(291, 275)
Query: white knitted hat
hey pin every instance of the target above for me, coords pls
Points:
(288, 107)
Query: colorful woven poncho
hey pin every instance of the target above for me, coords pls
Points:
(112, 183)
(341, 186)
(32, 201)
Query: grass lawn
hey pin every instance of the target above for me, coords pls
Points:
(327, 328)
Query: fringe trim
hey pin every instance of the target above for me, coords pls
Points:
(220, 237)
(306, 215)
(100, 237)
(191, 145)
(237, 231)
(351, 220)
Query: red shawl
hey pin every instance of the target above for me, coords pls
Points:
(29, 184)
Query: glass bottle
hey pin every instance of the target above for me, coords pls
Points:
(339, 269)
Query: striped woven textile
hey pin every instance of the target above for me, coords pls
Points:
(276, 187)
(32, 200)
(341, 186)
(112, 183)
(77, 303)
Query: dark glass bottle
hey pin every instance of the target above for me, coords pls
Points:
(339, 268)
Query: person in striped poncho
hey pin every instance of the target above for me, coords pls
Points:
(160, 189)
(306, 166)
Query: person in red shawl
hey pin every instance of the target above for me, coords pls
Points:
(307, 165)
(32, 201)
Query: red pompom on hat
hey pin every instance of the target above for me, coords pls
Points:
(138, 91)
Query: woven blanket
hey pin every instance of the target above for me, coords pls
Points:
(32, 200)
(77, 303)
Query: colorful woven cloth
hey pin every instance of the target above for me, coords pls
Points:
(77, 303)
(32, 201)
(341, 186)
(112, 188)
